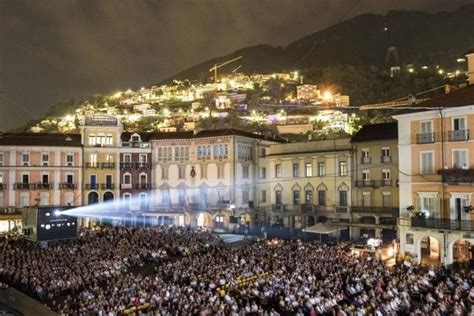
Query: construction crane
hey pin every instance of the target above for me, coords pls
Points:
(217, 66)
(233, 71)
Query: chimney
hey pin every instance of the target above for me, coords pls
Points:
(470, 66)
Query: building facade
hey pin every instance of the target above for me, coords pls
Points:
(375, 201)
(38, 169)
(306, 183)
(436, 155)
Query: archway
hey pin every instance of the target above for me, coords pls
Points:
(93, 198)
(309, 221)
(108, 196)
(204, 219)
(462, 251)
(429, 251)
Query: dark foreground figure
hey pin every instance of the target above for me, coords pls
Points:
(169, 271)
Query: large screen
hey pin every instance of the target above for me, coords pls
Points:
(52, 224)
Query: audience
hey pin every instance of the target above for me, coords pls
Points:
(177, 271)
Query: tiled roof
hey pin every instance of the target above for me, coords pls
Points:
(460, 97)
(373, 132)
(40, 139)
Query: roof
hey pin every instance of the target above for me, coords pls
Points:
(211, 133)
(460, 97)
(145, 136)
(372, 132)
(469, 52)
(40, 139)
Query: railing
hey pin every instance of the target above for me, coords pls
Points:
(306, 207)
(10, 211)
(92, 165)
(323, 209)
(126, 165)
(24, 186)
(425, 138)
(458, 135)
(67, 186)
(44, 186)
(92, 186)
(386, 182)
(126, 186)
(107, 165)
(100, 121)
(107, 186)
(455, 175)
(365, 160)
(136, 144)
(365, 183)
(3, 186)
(342, 209)
(143, 186)
(142, 165)
(374, 209)
(438, 223)
(385, 159)
(278, 207)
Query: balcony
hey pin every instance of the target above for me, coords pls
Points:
(365, 160)
(92, 186)
(92, 165)
(126, 165)
(107, 186)
(278, 207)
(143, 186)
(24, 186)
(439, 223)
(44, 186)
(136, 144)
(386, 183)
(107, 165)
(455, 175)
(425, 138)
(142, 165)
(307, 207)
(365, 183)
(375, 210)
(323, 209)
(458, 135)
(385, 159)
(126, 186)
(3, 186)
(67, 186)
(342, 209)
(10, 211)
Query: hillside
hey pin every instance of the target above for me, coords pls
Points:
(421, 38)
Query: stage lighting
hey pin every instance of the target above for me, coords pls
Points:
(57, 213)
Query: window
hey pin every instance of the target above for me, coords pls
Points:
(308, 197)
(69, 159)
(460, 131)
(70, 179)
(44, 159)
(165, 197)
(143, 179)
(296, 197)
(93, 179)
(245, 172)
(386, 199)
(143, 158)
(366, 175)
(365, 156)
(108, 181)
(426, 127)
(460, 159)
(127, 198)
(45, 178)
(1, 159)
(278, 171)
(263, 173)
(92, 140)
(322, 198)
(366, 199)
(263, 196)
(25, 178)
(109, 140)
(127, 179)
(262, 152)
(386, 152)
(1, 178)
(321, 169)
(93, 160)
(343, 198)
(203, 169)
(181, 172)
(427, 163)
(278, 197)
(459, 124)
(296, 170)
(164, 172)
(308, 169)
(109, 158)
(410, 239)
(429, 203)
(245, 196)
(220, 171)
(459, 202)
(25, 199)
(386, 174)
(182, 197)
(25, 159)
(342, 168)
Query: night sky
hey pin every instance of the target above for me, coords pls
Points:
(57, 50)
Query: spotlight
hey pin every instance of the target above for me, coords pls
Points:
(57, 213)
(411, 208)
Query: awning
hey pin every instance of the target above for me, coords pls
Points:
(323, 228)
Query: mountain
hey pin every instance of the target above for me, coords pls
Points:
(420, 38)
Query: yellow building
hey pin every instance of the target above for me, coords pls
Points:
(375, 203)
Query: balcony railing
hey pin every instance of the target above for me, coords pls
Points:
(136, 144)
(44, 186)
(126, 165)
(107, 186)
(385, 159)
(92, 186)
(425, 138)
(365, 183)
(107, 165)
(278, 207)
(24, 186)
(67, 186)
(10, 211)
(386, 182)
(126, 186)
(342, 209)
(92, 165)
(375, 209)
(307, 207)
(365, 160)
(458, 135)
(438, 223)
(455, 175)
(142, 165)
(3, 186)
(143, 186)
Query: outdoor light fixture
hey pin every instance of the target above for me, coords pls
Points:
(468, 209)
(57, 213)
(411, 208)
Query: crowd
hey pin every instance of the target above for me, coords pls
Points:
(103, 272)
